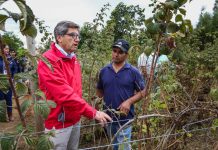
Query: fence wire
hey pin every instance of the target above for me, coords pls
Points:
(150, 138)
(2, 136)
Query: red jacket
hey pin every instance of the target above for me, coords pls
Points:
(63, 86)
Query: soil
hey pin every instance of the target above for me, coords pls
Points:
(10, 126)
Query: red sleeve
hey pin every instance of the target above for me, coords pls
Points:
(57, 89)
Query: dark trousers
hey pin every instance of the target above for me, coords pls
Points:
(8, 97)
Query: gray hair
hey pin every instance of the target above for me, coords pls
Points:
(62, 28)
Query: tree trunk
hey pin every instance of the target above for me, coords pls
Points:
(38, 119)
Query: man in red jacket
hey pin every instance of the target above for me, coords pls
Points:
(63, 86)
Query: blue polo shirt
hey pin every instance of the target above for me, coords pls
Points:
(118, 87)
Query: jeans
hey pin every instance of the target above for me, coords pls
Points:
(123, 137)
(8, 98)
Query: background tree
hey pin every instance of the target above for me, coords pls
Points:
(125, 20)
(12, 40)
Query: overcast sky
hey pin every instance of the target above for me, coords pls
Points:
(80, 11)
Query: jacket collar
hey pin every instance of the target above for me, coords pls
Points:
(59, 52)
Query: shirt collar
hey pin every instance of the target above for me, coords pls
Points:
(127, 65)
(71, 55)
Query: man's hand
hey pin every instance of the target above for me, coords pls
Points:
(102, 117)
(125, 107)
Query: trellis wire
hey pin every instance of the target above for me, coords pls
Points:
(94, 124)
(155, 137)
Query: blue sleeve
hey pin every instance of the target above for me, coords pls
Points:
(100, 84)
(14, 67)
(139, 82)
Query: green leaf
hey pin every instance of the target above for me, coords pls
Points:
(182, 2)
(41, 107)
(28, 16)
(7, 143)
(15, 16)
(23, 75)
(21, 88)
(189, 135)
(177, 55)
(2, 26)
(187, 22)
(3, 108)
(4, 84)
(172, 27)
(30, 141)
(172, 4)
(153, 28)
(44, 143)
(25, 106)
(3, 19)
(22, 6)
(178, 18)
(51, 103)
(188, 25)
(214, 94)
(40, 94)
(32, 58)
(30, 31)
(182, 11)
(160, 15)
(163, 106)
(215, 122)
(148, 21)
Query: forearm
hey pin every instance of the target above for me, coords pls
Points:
(135, 98)
(99, 93)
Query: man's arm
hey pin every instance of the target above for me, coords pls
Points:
(125, 106)
(99, 93)
(66, 96)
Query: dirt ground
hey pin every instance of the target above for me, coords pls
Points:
(10, 126)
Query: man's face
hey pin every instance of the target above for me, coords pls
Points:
(69, 42)
(118, 56)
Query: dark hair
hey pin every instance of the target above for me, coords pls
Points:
(62, 28)
(4, 45)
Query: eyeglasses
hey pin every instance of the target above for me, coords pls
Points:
(74, 35)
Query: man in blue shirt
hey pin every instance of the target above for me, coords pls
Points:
(120, 84)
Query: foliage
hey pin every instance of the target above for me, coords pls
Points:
(185, 89)
(47, 36)
(3, 108)
(125, 20)
(12, 41)
(41, 107)
(162, 21)
(7, 143)
(25, 18)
